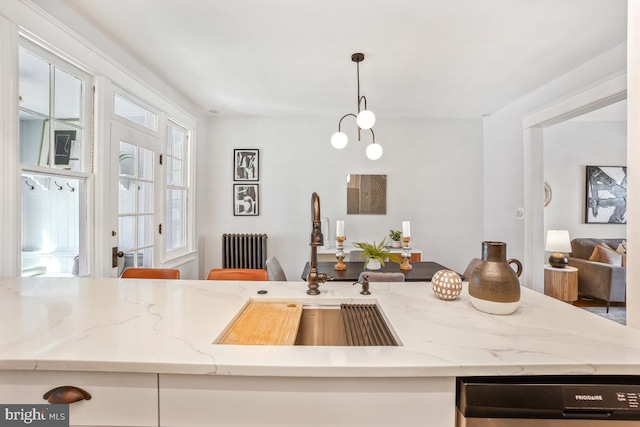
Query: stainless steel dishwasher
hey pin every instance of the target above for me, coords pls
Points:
(548, 401)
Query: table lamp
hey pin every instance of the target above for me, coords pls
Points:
(557, 242)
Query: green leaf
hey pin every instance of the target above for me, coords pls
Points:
(375, 251)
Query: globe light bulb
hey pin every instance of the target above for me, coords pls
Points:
(339, 140)
(366, 119)
(374, 151)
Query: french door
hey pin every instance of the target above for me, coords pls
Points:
(134, 191)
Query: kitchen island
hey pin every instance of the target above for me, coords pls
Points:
(154, 339)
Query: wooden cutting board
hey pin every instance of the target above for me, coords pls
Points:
(265, 323)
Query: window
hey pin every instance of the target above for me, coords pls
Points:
(51, 121)
(176, 192)
(131, 111)
(154, 206)
(54, 161)
(136, 204)
(51, 218)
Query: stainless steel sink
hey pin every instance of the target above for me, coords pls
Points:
(344, 325)
(329, 323)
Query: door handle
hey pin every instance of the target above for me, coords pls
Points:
(115, 254)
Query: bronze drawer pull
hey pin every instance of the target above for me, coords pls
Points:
(66, 394)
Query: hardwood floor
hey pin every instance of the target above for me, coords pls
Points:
(584, 301)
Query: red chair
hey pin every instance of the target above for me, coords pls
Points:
(237, 274)
(151, 273)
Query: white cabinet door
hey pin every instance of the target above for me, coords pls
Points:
(117, 399)
(198, 400)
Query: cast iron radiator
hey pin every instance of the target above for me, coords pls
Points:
(244, 251)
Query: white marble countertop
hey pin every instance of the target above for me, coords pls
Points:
(161, 326)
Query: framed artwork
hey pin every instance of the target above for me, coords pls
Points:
(63, 140)
(367, 194)
(246, 164)
(606, 195)
(245, 200)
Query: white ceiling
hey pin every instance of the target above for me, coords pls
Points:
(424, 58)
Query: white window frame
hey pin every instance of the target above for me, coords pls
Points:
(163, 257)
(86, 224)
(172, 254)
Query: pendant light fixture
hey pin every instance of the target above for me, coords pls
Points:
(365, 119)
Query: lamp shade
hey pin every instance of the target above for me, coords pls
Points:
(374, 151)
(366, 119)
(558, 241)
(339, 140)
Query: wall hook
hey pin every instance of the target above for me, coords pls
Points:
(31, 187)
(70, 187)
(58, 185)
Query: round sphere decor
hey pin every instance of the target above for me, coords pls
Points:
(447, 284)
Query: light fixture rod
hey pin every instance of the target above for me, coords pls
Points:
(358, 73)
(346, 115)
(358, 58)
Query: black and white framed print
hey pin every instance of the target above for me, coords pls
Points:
(246, 164)
(245, 199)
(606, 195)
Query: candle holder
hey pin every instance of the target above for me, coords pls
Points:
(340, 253)
(405, 254)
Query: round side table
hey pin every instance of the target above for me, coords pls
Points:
(561, 283)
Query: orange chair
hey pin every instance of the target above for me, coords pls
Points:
(237, 274)
(151, 273)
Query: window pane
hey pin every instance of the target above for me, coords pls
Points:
(67, 146)
(132, 259)
(126, 232)
(176, 222)
(34, 83)
(145, 257)
(68, 92)
(175, 173)
(175, 154)
(127, 196)
(145, 230)
(51, 214)
(177, 143)
(34, 139)
(127, 158)
(135, 113)
(145, 164)
(145, 197)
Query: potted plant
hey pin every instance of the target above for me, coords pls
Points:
(395, 236)
(374, 255)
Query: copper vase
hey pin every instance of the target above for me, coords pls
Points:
(493, 285)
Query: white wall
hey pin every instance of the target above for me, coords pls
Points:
(568, 148)
(433, 168)
(504, 154)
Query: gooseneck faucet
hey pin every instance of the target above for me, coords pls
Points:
(314, 278)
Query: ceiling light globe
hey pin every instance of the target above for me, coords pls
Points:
(339, 140)
(374, 151)
(366, 119)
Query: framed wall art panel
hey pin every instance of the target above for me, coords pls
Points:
(606, 195)
(367, 194)
(246, 200)
(246, 163)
